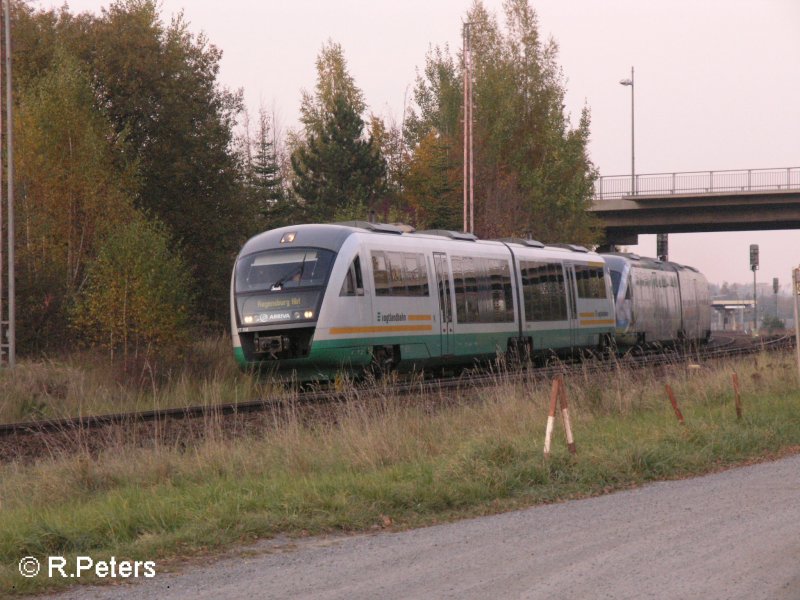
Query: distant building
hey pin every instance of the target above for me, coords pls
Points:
(731, 315)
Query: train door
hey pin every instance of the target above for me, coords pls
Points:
(572, 304)
(445, 304)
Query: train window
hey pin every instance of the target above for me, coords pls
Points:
(276, 270)
(472, 314)
(458, 284)
(399, 274)
(416, 274)
(544, 292)
(353, 283)
(483, 290)
(381, 274)
(501, 293)
(616, 279)
(396, 274)
(590, 281)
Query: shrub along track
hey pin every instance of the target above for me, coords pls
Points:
(182, 427)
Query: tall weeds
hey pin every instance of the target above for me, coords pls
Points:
(86, 383)
(381, 460)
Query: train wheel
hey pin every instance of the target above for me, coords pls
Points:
(607, 346)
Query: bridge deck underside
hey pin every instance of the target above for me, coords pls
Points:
(626, 218)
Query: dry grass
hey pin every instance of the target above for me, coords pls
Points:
(383, 460)
(87, 383)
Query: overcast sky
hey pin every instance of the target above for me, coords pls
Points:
(717, 82)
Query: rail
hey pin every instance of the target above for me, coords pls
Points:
(31, 440)
(697, 182)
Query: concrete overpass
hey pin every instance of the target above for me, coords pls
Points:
(745, 200)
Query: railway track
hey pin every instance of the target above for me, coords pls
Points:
(46, 437)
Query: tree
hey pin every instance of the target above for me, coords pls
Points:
(338, 173)
(438, 95)
(264, 164)
(333, 80)
(388, 136)
(772, 323)
(532, 171)
(158, 85)
(137, 297)
(265, 172)
(433, 188)
(276, 207)
(72, 193)
(120, 112)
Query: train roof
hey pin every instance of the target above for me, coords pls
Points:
(646, 261)
(331, 236)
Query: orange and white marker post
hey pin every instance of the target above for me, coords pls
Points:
(737, 396)
(674, 403)
(558, 392)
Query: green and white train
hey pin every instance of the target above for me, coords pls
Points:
(309, 301)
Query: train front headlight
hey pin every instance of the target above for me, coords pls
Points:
(309, 314)
(248, 319)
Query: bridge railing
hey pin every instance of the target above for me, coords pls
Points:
(697, 182)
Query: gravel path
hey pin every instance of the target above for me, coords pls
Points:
(729, 535)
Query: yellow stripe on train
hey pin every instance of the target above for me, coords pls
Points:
(587, 322)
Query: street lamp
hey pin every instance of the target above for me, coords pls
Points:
(633, 163)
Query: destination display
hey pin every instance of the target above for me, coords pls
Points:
(278, 308)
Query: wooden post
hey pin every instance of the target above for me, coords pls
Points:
(795, 295)
(565, 415)
(558, 393)
(551, 416)
(738, 396)
(677, 410)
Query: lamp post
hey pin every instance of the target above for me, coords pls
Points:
(633, 162)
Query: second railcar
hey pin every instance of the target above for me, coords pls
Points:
(658, 302)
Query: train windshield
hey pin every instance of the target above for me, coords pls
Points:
(283, 269)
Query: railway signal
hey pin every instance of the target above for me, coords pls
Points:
(754, 257)
(775, 288)
(662, 246)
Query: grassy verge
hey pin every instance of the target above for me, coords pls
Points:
(87, 383)
(391, 462)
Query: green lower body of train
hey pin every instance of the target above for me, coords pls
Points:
(327, 359)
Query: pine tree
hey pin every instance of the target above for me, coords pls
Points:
(333, 80)
(338, 173)
(276, 207)
(265, 173)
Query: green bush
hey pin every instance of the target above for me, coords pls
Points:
(137, 294)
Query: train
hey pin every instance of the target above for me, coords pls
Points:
(311, 301)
